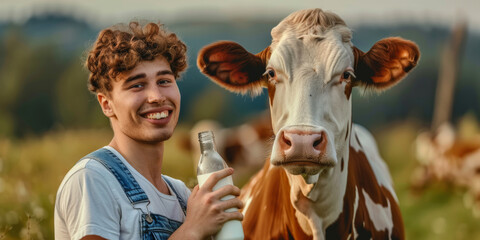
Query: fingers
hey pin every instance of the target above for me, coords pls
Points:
(233, 216)
(227, 190)
(232, 203)
(215, 177)
(226, 216)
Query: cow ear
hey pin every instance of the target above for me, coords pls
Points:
(387, 62)
(231, 66)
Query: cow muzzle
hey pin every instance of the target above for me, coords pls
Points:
(303, 150)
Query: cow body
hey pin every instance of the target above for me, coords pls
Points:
(325, 178)
(452, 158)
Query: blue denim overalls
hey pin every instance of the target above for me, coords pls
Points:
(153, 226)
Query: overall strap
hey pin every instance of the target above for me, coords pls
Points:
(130, 186)
(180, 200)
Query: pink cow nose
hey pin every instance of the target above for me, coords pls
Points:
(303, 144)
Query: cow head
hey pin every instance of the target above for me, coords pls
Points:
(309, 70)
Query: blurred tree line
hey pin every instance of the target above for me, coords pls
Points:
(43, 81)
(42, 86)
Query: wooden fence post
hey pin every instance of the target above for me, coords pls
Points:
(448, 73)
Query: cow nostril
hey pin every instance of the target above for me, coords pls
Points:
(316, 143)
(286, 141)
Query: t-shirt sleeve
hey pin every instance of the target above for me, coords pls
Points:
(87, 206)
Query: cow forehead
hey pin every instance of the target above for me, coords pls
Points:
(327, 53)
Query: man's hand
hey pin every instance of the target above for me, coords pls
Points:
(206, 212)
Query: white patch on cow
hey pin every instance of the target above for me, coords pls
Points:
(369, 147)
(381, 216)
(305, 95)
(353, 138)
(355, 207)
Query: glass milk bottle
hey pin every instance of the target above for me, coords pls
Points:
(210, 162)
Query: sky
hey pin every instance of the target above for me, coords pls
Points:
(107, 12)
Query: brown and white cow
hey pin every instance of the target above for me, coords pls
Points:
(325, 178)
(447, 156)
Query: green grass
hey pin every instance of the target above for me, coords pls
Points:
(438, 212)
(30, 173)
(32, 169)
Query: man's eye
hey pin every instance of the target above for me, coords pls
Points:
(164, 81)
(138, 85)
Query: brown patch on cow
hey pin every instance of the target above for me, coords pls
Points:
(362, 177)
(341, 165)
(270, 214)
(348, 89)
(271, 93)
(264, 55)
(461, 148)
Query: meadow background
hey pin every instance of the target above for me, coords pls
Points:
(48, 119)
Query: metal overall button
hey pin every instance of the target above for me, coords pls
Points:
(148, 216)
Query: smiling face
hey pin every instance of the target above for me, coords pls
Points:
(144, 103)
(309, 83)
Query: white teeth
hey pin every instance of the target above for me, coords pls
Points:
(157, 115)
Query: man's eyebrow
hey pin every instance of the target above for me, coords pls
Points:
(135, 77)
(165, 72)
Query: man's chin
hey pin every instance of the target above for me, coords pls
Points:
(156, 136)
(162, 137)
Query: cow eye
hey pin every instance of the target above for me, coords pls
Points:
(347, 75)
(271, 73)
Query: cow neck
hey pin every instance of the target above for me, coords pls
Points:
(321, 202)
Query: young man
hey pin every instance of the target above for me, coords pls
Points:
(118, 191)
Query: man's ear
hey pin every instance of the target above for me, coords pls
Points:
(386, 63)
(105, 104)
(231, 66)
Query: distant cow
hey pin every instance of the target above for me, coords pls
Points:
(449, 158)
(242, 146)
(325, 178)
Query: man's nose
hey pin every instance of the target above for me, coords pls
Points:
(155, 95)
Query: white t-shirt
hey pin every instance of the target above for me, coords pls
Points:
(90, 201)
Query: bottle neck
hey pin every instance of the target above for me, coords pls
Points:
(207, 142)
(207, 145)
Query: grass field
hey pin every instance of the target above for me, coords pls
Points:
(31, 170)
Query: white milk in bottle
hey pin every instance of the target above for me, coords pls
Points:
(210, 162)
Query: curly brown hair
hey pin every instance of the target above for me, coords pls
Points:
(118, 50)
